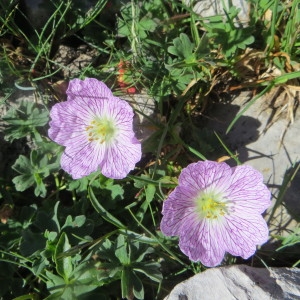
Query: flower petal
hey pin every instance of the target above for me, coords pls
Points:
(175, 209)
(65, 124)
(237, 228)
(202, 241)
(243, 233)
(206, 175)
(83, 162)
(88, 102)
(89, 88)
(120, 159)
(247, 190)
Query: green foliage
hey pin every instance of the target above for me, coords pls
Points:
(135, 22)
(46, 240)
(290, 240)
(280, 21)
(24, 120)
(95, 237)
(82, 280)
(125, 259)
(33, 172)
(63, 262)
(227, 35)
(47, 24)
(189, 63)
(184, 49)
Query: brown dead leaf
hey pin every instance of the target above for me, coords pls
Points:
(6, 212)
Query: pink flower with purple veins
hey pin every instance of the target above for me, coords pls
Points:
(96, 129)
(217, 209)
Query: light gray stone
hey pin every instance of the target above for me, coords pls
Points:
(144, 106)
(273, 148)
(240, 282)
(208, 8)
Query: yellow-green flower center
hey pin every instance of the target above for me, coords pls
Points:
(102, 130)
(210, 206)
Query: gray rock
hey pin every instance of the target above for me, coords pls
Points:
(271, 147)
(144, 107)
(208, 8)
(240, 282)
(74, 60)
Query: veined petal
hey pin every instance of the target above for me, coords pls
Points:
(247, 189)
(202, 241)
(67, 136)
(243, 233)
(120, 159)
(206, 175)
(217, 209)
(67, 122)
(85, 161)
(89, 88)
(96, 129)
(175, 209)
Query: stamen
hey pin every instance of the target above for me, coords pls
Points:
(211, 206)
(102, 130)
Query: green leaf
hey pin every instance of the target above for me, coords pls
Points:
(126, 285)
(121, 251)
(86, 273)
(54, 283)
(31, 242)
(131, 285)
(50, 244)
(30, 174)
(23, 121)
(55, 216)
(77, 222)
(23, 182)
(148, 250)
(33, 171)
(117, 191)
(81, 185)
(80, 226)
(63, 293)
(138, 289)
(107, 251)
(51, 235)
(150, 269)
(39, 265)
(84, 279)
(292, 239)
(103, 212)
(147, 24)
(108, 272)
(62, 260)
(40, 189)
(150, 192)
(22, 165)
(141, 181)
(183, 48)
(138, 237)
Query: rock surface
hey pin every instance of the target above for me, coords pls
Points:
(240, 282)
(270, 147)
(208, 8)
(144, 107)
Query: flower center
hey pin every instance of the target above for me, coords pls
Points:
(210, 206)
(102, 130)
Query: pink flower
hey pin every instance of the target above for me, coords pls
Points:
(96, 129)
(217, 209)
